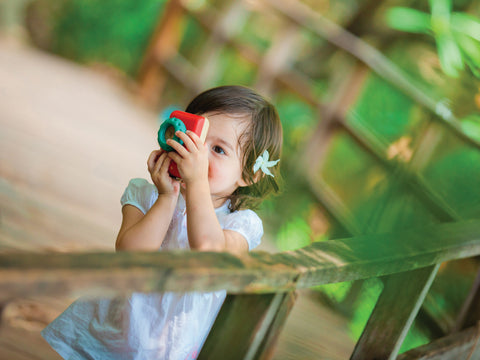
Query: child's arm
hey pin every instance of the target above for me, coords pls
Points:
(204, 230)
(146, 232)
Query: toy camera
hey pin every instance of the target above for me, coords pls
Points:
(180, 121)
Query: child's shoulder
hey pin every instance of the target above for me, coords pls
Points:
(248, 213)
(140, 193)
(140, 183)
(141, 186)
(247, 223)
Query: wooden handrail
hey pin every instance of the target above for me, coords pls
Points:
(27, 274)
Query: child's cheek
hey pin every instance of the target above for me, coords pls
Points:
(211, 169)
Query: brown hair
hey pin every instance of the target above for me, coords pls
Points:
(263, 133)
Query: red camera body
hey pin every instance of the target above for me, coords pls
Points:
(196, 123)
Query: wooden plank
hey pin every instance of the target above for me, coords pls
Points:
(267, 347)
(460, 345)
(163, 45)
(247, 326)
(278, 58)
(228, 23)
(394, 313)
(21, 344)
(24, 274)
(66, 129)
(470, 312)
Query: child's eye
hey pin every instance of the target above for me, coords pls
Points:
(218, 149)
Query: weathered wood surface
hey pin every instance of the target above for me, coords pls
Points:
(470, 312)
(308, 322)
(401, 298)
(245, 325)
(70, 140)
(464, 345)
(25, 274)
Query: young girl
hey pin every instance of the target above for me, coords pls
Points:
(207, 210)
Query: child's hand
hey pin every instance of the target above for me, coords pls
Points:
(158, 163)
(191, 159)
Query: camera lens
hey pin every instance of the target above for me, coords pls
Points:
(169, 132)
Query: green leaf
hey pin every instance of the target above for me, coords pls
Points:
(440, 21)
(466, 24)
(449, 55)
(469, 46)
(475, 69)
(471, 126)
(470, 49)
(410, 20)
(441, 8)
(294, 235)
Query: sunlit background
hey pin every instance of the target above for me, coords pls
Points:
(379, 100)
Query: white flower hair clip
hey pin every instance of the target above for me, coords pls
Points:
(264, 163)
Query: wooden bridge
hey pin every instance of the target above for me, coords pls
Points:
(415, 209)
(262, 286)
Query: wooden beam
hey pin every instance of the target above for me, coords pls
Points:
(247, 326)
(228, 22)
(278, 58)
(470, 312)
(163, 45)
(394, 313)
(27, 274)
(460, 345)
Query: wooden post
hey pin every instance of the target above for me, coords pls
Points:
(229, 22)
(394, 313)
(470, 312)
(279, 57)
(247, 326)
(163, 45)
(458, 346)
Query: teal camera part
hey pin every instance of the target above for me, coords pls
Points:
(167, 131)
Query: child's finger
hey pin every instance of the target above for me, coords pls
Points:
(165, 164)
(159, 163)
(187, 139)
(180, 149)
(175, 157)
(152, 159)
(196, 139)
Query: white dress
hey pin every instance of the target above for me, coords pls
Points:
(150, 326)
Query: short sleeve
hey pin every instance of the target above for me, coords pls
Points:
(139, 193)
(248, 224)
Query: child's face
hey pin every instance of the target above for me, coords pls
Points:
(224, 154)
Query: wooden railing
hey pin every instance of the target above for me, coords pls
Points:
(261, 286)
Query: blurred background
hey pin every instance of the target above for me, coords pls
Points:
(379, 100)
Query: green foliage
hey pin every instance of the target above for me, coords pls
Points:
(298, 119)
(294, 234)
(110, 31)
(471, 126)
(454, 172)
(364, 305)
(456, 34)
(336, 292)
(235, 69)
